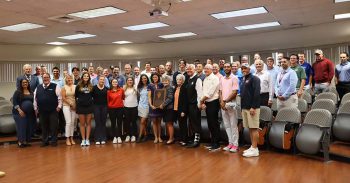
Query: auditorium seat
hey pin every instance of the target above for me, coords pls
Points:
(282, 131)
(7, 123)
(333, 89)
(5, 102)
(328, 95)
(307, 96)
(265, 120)
(313, 136)
(341, 126)
(303, 107)
(327, 104)
(346, 98)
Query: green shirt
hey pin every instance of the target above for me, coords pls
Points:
(300, 73)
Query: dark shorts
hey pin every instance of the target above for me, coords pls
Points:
(169, 115)
(85, 109)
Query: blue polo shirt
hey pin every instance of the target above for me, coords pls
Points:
(308, 71)
(342, 72)
(286, 83)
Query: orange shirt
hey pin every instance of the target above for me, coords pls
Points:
(176, 98)
(115, 98)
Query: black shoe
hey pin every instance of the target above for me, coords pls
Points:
(183, 143)
(193, 145)
(214, 148)
(44, 144)
(54, 144)
(144, 139)
(21, 145)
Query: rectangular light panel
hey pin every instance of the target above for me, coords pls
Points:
(122, 42)
(97, 12)
(340, 1)
(184, 34)
(21, 27)
(146, 26)
(77, 36)
(57, 43)
(239, 13)
(341, 16)
(257, 26)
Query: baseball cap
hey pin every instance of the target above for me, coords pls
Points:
(245, 65)
(318, 52)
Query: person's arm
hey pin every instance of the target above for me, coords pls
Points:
(336, 75)
(256, 94)
(35, 103)
(311, 77)
(199, 89)
(169, 97)
(271, 87)
(59, 98)
(150, 98)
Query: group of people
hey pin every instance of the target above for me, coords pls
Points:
(209, 87)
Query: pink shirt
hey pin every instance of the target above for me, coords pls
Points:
(219, 75)
(227, 85)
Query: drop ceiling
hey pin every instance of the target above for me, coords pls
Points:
(193, 16)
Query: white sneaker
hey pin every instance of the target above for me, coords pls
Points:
(227, 148)
(115, 140)
(87, 142)
(98, 143)
(133, 139)
(252, 153)
(103, 142)
(83, 143)
(119, 140)
(127, 139)
(250, 148)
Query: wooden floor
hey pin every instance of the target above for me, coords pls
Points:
(150, 162)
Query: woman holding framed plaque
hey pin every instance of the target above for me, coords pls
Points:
(156, 96)
(168, 106)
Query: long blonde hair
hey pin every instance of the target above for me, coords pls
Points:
(133, 83)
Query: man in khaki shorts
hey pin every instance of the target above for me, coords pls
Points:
(250, 104)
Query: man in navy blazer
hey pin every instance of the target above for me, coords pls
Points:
(33, 80)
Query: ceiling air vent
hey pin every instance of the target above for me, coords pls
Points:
(65, 18)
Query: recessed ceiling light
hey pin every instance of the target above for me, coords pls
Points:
(122, 42)
(77, 36)
(340, 1)
(57, 43)
(186, 0)
(341, 16)
(184, 34)
(146, 26)
(97, 12)
(239, 13)
(257, 26)
(21, 27)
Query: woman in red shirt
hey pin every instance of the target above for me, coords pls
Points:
(115, 97)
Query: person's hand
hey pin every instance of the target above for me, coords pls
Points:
(153, 107)
(222, 104)
(58, 109)
(269, 103)
(281, 98)
(161, 106)
(199, 107)
(21, 113)
(182, 114)
(300, 93)
(36, 113)
(203, 106)
(252, 111)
